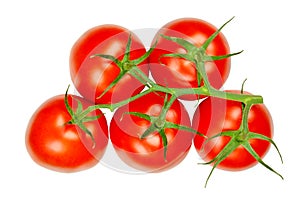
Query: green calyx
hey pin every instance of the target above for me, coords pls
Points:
(198, 55)
(238, 139)
(125, 65)
(241, 137)
(160, 124)
(79, 116)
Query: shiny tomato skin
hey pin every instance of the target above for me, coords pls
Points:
(180, 73)
(218, 115)
(147, 155)
(91, 76)
(63, 147)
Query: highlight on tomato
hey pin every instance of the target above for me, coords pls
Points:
(55, 142)
(176, 71)
(148, 154)
(99, 60)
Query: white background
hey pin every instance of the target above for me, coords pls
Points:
(35, 41)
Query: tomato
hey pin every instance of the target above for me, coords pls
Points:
(56, 145)
(147, 154)
(92, 75)
(180, 73)
(214, 116)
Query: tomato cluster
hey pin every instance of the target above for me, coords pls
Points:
(150, 129)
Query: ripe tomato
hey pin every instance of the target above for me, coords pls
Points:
(180, 73)
(147, 154)
(91, 76)
(214, 116)
(65, 147)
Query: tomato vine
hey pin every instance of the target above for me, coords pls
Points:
(198, 56)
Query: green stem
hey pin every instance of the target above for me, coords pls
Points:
(244, 125)
(113, 107)
(166, 107)
(140, 76)
(204, 90)
(246, 99)
(169, 104)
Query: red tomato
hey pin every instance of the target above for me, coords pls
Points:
(91, 76)
(147, 154)
(215, 115)
(65, 147)
(180, 73)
